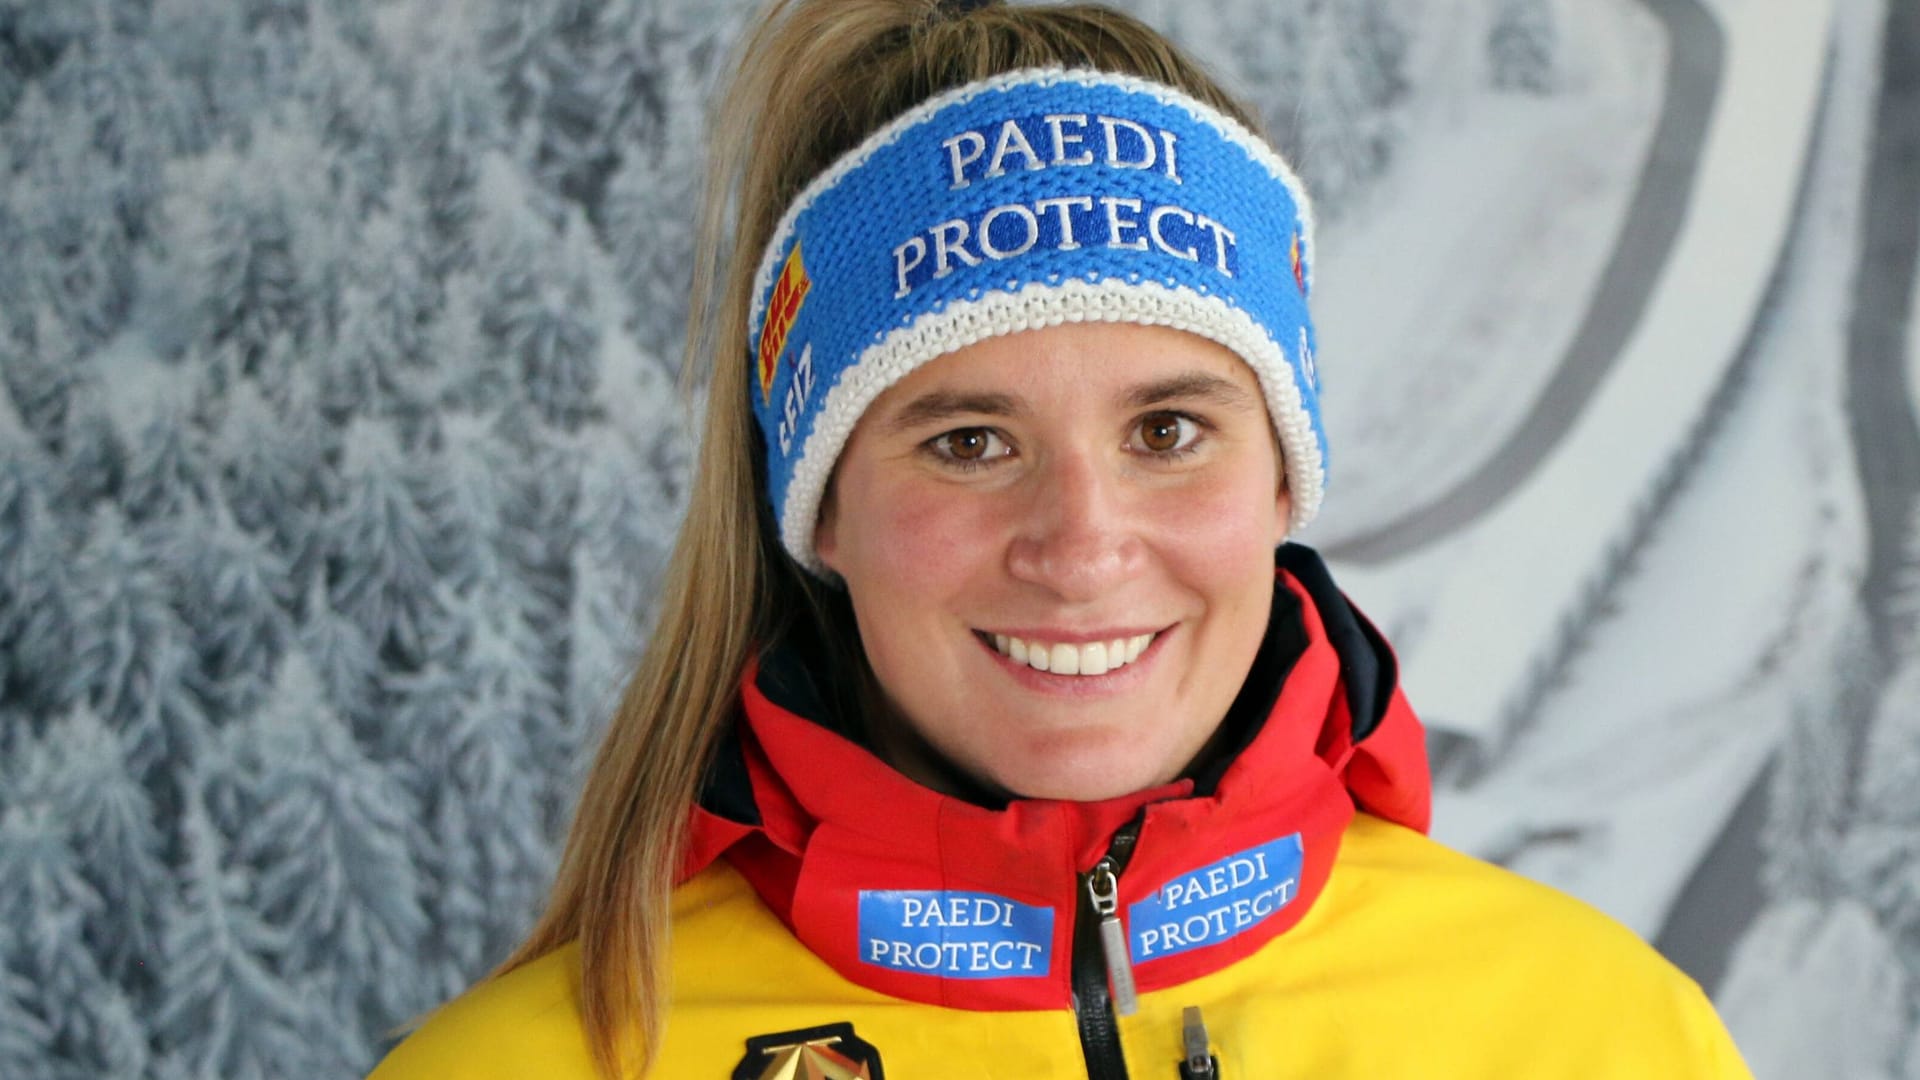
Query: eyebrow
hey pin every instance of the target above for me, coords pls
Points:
(942, 405)
(938, 406)
(1194, 386)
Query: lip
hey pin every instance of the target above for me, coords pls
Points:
(1117, 681)
(1054, 636)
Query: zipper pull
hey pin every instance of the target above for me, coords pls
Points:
(1104, 888)
(1200, 1063)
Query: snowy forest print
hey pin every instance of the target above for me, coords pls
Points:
(341, 447)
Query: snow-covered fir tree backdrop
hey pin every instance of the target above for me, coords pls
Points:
(340, 447)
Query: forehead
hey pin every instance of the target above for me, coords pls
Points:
(1077, 363)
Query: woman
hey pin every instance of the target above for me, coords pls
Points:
(983, 731)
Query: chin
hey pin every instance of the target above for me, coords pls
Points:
(1079, 774)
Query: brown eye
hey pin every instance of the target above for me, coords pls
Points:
(969, 445)
(1160, 432)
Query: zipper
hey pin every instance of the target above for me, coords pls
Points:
(1102, 972)
(1104, 889)
(1199, 1063)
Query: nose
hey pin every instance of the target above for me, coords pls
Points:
(1080, 535)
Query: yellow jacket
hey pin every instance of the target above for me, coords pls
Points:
(1282, 915)
(1415, 962)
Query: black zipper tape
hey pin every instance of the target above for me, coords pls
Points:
(1092, 1001)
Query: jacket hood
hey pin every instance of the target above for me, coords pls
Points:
(932, 898)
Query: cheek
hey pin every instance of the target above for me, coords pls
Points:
(1221, 524)
(911, 536)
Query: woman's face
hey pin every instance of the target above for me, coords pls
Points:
(1059, 546)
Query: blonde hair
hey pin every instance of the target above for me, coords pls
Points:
(815, 77)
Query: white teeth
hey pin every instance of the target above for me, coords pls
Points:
(1093, 658)
(1066, 659)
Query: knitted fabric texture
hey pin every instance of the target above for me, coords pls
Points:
(1028, 200)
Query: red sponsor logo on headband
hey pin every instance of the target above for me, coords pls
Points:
(782, 309)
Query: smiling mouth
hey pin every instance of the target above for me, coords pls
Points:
(1062, 658)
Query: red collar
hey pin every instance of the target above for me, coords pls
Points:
(930, 898)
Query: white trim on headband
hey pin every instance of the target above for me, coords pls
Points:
(1230, 129)
(1036, 305)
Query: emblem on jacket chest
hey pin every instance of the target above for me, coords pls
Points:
(827, 1052)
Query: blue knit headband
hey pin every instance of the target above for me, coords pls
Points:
(1028, 200)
